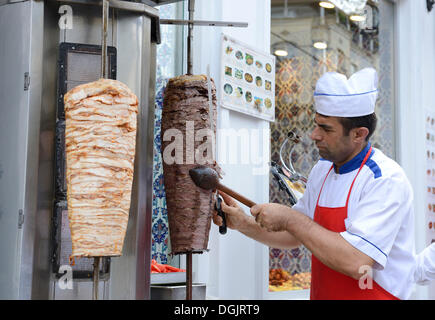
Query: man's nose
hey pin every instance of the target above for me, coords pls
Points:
(315, 135)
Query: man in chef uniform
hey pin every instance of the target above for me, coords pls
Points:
(356, 215)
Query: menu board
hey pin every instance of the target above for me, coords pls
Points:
(430, 177)
(247, 79)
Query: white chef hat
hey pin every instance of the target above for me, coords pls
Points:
(337, 96)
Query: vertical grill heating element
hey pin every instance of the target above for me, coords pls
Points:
(78, 64)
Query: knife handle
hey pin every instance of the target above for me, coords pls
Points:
(236, 195)
(218, 207)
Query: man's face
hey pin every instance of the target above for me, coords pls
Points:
(329, 137)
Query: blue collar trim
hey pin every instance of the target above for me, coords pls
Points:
(356, 161)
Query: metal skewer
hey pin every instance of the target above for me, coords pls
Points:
(189, 276)
(105, 18)
(190, 38)
(96, 278)
(105, 23)
(191, 8)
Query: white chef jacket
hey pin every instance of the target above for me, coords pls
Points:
(380, 217)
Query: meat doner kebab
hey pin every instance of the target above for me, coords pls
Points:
(190, 185)
(186, 111)
(100, 135)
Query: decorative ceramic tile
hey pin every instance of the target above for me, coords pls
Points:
(159, 223)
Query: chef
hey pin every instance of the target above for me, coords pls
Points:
(356, 215)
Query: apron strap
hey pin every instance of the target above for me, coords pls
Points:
(362, 165)
(320, 192)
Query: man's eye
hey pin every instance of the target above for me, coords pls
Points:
(326, 129)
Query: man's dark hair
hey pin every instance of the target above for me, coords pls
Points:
(368, 122)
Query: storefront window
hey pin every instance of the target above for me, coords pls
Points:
(314, 40)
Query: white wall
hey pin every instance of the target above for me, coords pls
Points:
(415, 89)
(235, 267)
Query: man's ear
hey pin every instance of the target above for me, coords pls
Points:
(360, 134)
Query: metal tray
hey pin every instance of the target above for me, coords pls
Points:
(176, 291)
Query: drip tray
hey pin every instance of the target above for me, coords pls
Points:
(177, 291)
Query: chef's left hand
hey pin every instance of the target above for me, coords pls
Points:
(271, 216)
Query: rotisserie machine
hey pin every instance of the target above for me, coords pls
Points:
(47, 48)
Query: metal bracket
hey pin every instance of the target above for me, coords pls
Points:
(20, 218)
(26, 81)
(204, 23)
(154, 3)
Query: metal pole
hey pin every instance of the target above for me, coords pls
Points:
(104, 38)
(189, 276)
(191, 9)
(96, 278)
(190, 38)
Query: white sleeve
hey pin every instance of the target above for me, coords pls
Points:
(377, 217)
(305, 203)
(425, 266)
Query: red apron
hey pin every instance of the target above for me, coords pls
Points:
(328, 284)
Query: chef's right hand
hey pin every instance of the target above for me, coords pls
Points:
(235, 216)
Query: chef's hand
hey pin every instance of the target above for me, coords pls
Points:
(271, 216)
(235, 216)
